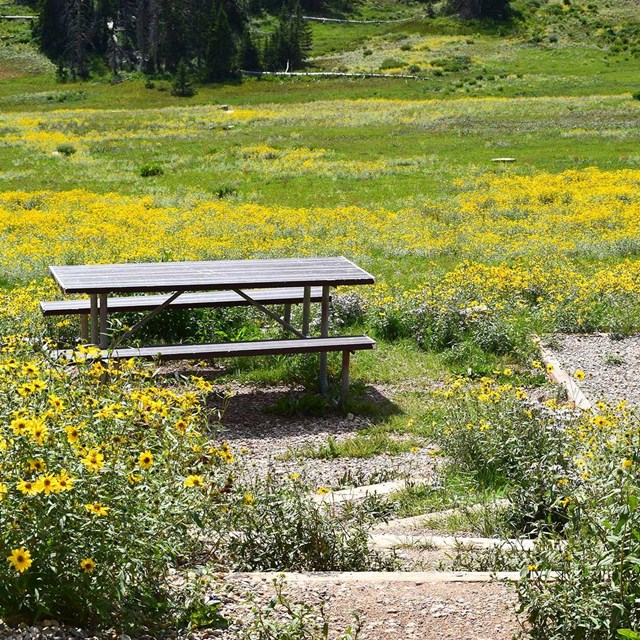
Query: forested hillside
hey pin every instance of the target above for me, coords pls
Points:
(215, 38)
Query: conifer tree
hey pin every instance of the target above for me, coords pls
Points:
(469, 9)
(78, 17)
(290, 42)
(221, 58)
(182, 85)
(249, 54)
(51, 29)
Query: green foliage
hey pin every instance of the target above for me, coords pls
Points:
(150, 170)
(488, 429)
(93, 503)
(182, 85)
(62, 74)
(280, 528)
(66, 149)
(595, 592)
(360, 446)
(391, 63)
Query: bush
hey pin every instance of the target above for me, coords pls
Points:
(636, 95)
(66, 149)
(392, 63)
(490, 430)
(281, 528)
(596, 589)
(102, 488)
(149, 170)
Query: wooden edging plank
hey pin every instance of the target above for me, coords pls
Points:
(360, 493)
(420, 520)
(396, 541)
(558, 375)
(383, 577)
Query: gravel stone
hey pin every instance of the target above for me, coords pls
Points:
(611, 367)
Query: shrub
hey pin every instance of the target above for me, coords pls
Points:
(66, 149)
(596, 590)
(225, 190)
(392, 63)
(102, 487)
(636, 95)
(490, 430)
(281, 528)
(149, 170)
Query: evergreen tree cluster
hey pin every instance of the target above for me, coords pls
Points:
(212, 37)
(470, 9)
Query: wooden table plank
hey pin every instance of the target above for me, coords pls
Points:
(208, 275)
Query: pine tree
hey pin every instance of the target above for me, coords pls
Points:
(299, 38)
(290, 42)
(249, 54)
(470, 9)
(78, 18)
(51, 29)
(221, 59)
(182, 85)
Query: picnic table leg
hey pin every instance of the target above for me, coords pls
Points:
(104, 337)
(306, 310)
(344, 377)
(324, 332)
(94, 319)
(84, 327)
(287, 314)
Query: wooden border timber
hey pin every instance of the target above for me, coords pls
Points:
(382, 577)
(558, 375)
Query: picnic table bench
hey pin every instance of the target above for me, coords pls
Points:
(222, 283)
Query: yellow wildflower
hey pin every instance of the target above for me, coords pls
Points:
(48, 484)
(20, 559)
(28, 488)
(93, 460)
(145, 460)
(194, 481)
(87, 565)
(97, 508)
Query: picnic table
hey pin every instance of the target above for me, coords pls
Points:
(261, 283)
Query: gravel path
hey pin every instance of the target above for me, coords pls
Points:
(262, 438)
(612, 367)
(392, 610)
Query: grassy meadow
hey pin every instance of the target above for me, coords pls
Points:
(471, 254)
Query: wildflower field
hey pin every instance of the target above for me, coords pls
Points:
(113, 484)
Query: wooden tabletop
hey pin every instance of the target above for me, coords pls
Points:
(211, 275)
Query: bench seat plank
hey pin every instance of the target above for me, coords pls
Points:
(288, 295)
(232, 349)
